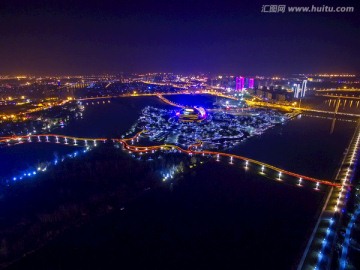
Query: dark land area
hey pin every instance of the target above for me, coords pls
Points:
(68, 195)
(208, 217)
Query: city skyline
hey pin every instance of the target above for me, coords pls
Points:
(163, 134)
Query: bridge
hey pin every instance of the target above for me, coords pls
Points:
(291, 108)
(192, 150)
(169, 102)
(158, 94)
(52, 138)
(341, 97)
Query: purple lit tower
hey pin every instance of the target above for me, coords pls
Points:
(251, 83)
(239, 83)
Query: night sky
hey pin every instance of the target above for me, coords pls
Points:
(234, 37)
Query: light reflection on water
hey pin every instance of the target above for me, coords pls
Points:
(304, 145)
(260, 218)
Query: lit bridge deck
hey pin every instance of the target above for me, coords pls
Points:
(158, 94)
(83, 142)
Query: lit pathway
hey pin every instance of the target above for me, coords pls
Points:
(146, 149)
(70, 140)
(319, 250)
(346, 243)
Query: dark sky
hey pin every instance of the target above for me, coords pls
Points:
(88, 37)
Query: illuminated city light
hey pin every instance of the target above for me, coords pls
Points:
(168, 176)
(300, 180)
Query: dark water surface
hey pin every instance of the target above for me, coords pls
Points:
(27, 156)
(215, 218)
(303, 145)
(218, 216)
(109, 120)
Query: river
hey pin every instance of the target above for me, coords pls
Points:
(219, 215)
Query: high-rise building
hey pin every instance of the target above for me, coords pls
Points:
(251, 83)
(303, 88)
(299, 91)
(240, 83)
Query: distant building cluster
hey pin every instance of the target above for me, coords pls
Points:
(241, 83)
(294, 86)
(219, 130)
(272, 93)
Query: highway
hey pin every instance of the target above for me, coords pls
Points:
(347, 240)
(319, 250)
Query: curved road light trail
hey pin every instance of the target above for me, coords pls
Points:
(141, 149)
(55, 138)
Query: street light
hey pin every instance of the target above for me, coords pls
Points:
(300, 180)
(317, 186)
